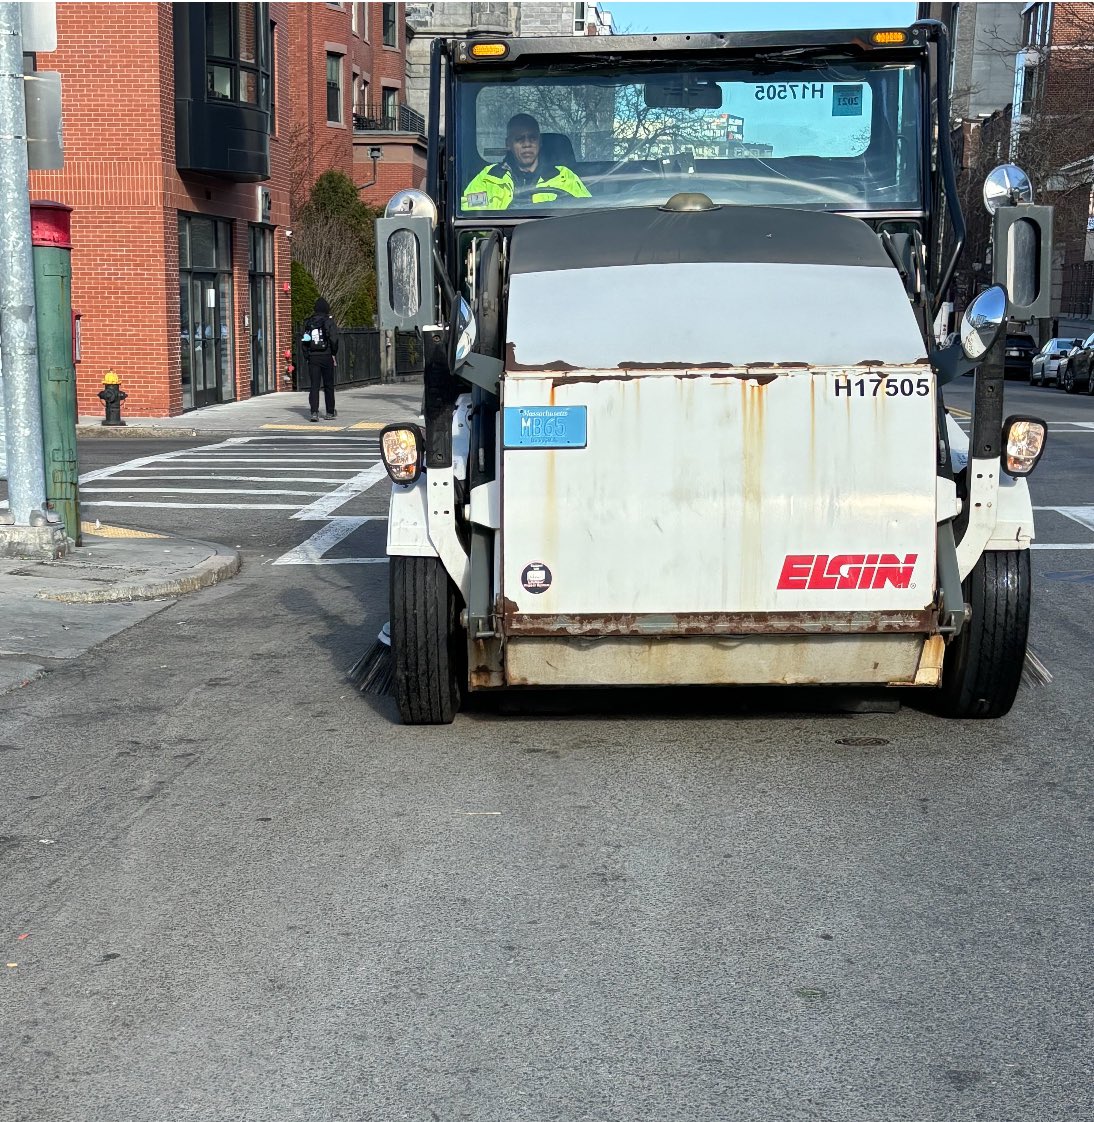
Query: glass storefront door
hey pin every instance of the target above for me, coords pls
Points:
(205, 311)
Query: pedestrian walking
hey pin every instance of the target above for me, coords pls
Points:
(320, 346)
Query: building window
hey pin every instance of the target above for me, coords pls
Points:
(390, 109)
(238, 53)
(205, 310)
(263, 318)
(334, 89)
(271, 79)
(391, 25)
(579, 19)
(354, 18)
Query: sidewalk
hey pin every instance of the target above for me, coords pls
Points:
(58, 610)
(360, 409)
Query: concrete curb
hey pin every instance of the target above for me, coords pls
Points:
(136, 432)
(220, 566)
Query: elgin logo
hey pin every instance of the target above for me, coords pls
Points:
(847, 570)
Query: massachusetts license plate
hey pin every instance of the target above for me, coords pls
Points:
(544, 426)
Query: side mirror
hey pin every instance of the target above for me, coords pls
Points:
(983, 321)
(405, 277)
(1006, 185)
(468, 332)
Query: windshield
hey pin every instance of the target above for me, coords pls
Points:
(837, 136)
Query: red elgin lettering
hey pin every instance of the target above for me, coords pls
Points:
(820, 572)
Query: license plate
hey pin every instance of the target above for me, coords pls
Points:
(544, 426)
(1014, 354)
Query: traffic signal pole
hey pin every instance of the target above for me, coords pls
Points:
(26, 528)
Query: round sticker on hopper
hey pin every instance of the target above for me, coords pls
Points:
(536, 577)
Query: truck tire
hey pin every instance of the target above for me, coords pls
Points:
(982, 667)
(425, 641)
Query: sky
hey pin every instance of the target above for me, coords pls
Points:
(659, 17)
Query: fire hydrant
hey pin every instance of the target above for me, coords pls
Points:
(112, 396)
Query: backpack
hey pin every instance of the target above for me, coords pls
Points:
(315, 337)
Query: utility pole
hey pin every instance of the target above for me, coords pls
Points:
(26, 529)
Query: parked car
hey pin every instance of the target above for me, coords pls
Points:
(1046, 362)
(1018, 356)
(1077, 375)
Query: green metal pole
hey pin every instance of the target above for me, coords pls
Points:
(56, 370)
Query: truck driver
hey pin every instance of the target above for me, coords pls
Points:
(521, 177)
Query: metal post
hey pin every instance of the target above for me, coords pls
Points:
(22, 400)
(51, 235)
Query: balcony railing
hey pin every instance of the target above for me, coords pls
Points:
(394, 118)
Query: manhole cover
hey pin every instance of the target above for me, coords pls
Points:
(862, 741)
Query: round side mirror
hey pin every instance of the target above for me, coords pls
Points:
(983, 320)
(409, 201)
(1006, 185)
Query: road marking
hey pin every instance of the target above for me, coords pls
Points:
(143, 461)
(1077, 545)
(219, 478)
(310, 552)
(193, 506)
(964, 414)
(298, 461)
(368, 426)
(1084, 515)
(195, 491)
(307, 427)
(329, 503)
(213, 468)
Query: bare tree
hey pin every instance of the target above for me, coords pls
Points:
(337, 253)
(303, 163)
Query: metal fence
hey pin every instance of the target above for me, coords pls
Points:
(359, 359)
(1077, 298)
(377, 117)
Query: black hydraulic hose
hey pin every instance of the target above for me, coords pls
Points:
(945, 159)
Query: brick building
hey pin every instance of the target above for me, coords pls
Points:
(347, 99)
(177, 174)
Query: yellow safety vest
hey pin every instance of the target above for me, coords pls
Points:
(493, 188)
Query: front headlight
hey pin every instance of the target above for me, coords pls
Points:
(401, 448)
(1023, 442)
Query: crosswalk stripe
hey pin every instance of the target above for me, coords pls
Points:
(326, 506)
(196, 491)
(236, 479)
(311, 551)
(192, 506)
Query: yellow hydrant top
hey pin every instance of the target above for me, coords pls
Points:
(110, 378)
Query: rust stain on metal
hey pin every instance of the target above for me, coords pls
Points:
(726, 624)
(507, 610)
(758, 379)
(589, 377)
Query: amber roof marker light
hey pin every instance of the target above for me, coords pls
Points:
(488, 50)
(889, 38)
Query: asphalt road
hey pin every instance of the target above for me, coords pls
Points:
(247, 893)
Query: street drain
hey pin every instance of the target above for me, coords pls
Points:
(862, 741)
